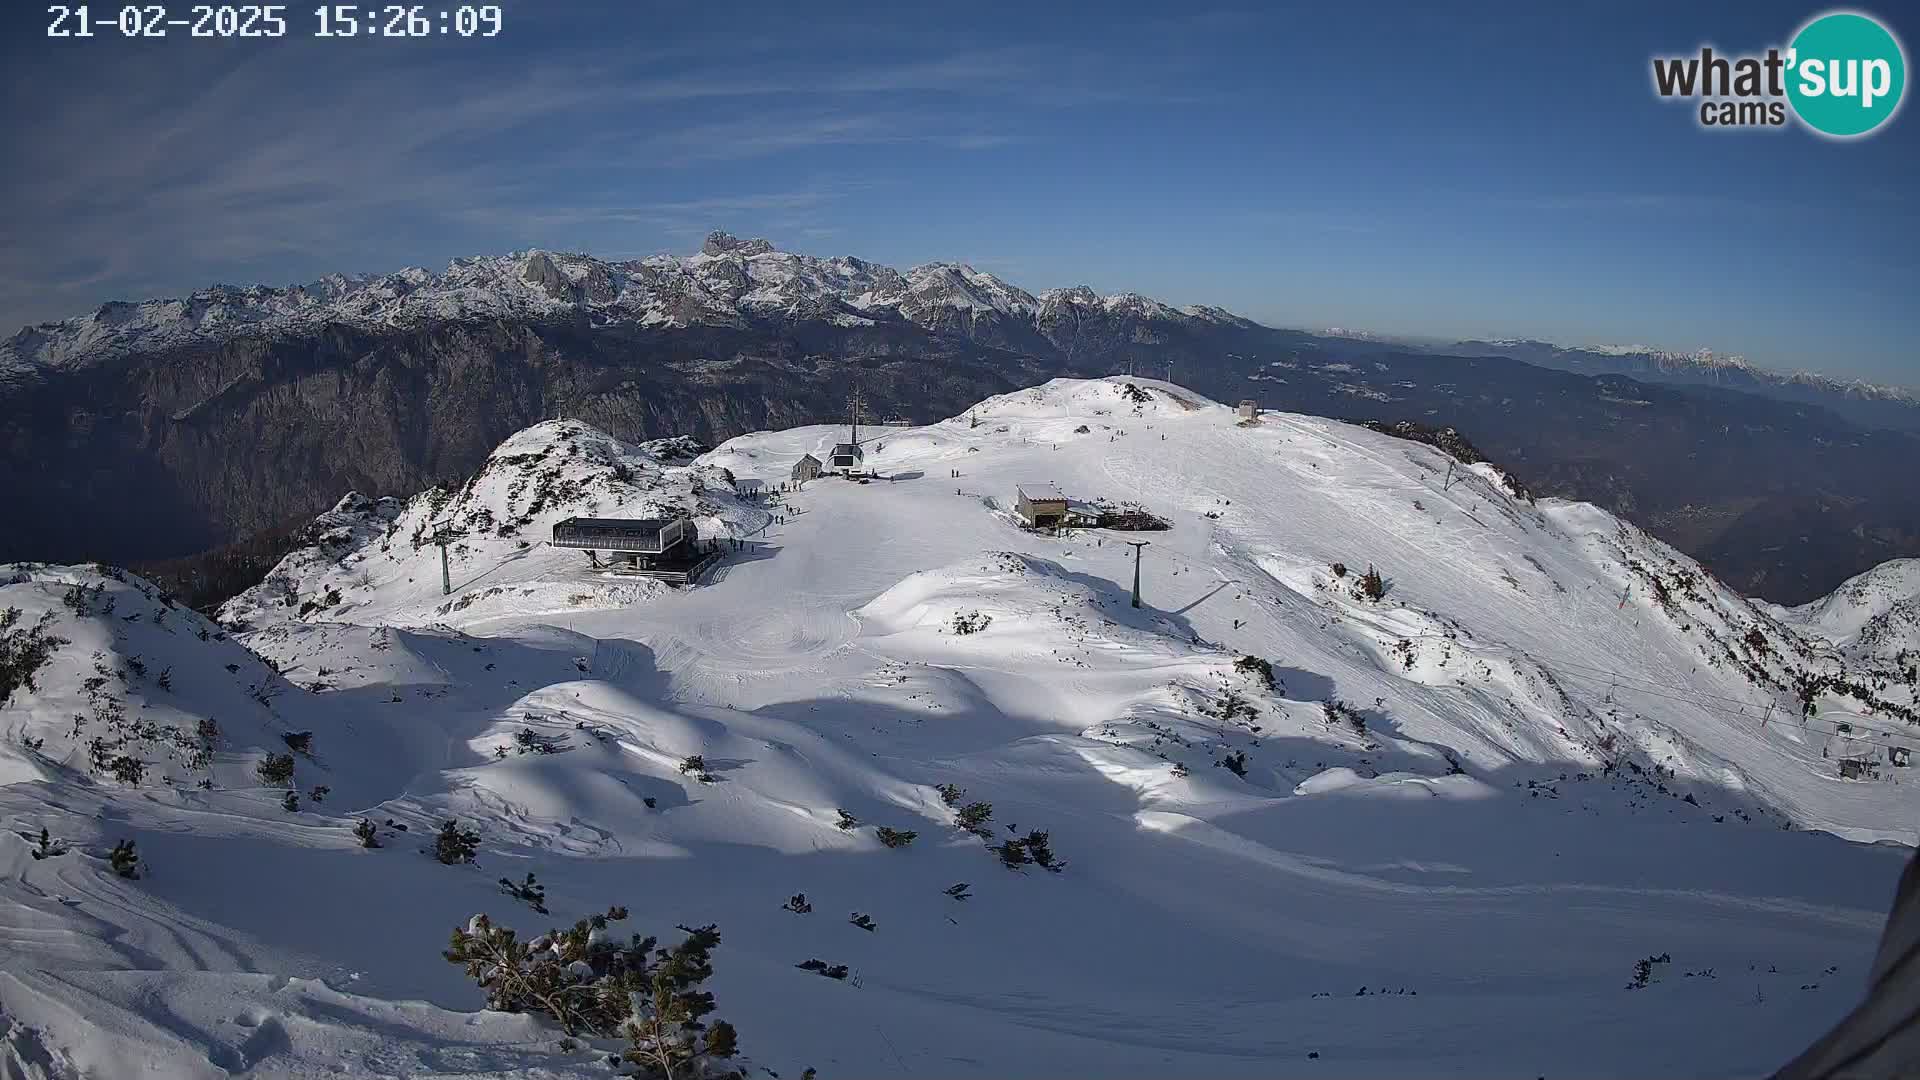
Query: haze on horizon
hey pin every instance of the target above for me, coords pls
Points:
(1407, 172)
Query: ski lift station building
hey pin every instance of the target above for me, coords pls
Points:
(806, 468)
(1040, 505)
(642, 540)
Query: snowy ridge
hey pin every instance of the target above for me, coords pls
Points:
(375, 561)
(1299, 827)
(1877, 612)
(730, 282)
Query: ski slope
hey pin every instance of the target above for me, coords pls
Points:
(1545, 759)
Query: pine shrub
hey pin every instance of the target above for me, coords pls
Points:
(455, 845)
(124, 860)
(24, 650)
(863, 921)
(973, 818)
(291, 804)
(1040, 849)
(1643, 970)
(367, 834)
(847, 822)
(797, 903)
(595, 986)
(529, 892)
(1257, 668)
(44, 845)
(275, 770)
(951, 794)
(895, 837)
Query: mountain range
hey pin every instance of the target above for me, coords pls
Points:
(151, 431)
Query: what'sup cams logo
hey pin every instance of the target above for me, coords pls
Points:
(1842, 76)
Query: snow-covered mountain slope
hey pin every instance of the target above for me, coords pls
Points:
(376, 561)
(1303, 830)
(1876, 613)
(728, 283)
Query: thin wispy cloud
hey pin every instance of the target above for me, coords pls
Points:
(169, 170)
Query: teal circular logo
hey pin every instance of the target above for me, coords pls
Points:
(1845, 74)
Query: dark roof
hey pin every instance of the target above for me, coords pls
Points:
(635, 524)
(846, 449)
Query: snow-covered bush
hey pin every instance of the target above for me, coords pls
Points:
(798, 904)
(863, 921)
(454, 844)
(24, 650)
(951, 794)
(973, 817)
(592, 985)
(895, 837)
(367, 834)
(124, 860)
(1256, 667)
(1339, 712)
(847, 822)
(275, 770)
(127, 769)
(970, 622)
(1040, 849)
(1036, 847)
(1643, 970)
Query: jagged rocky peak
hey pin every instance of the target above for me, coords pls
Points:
(720, 242)
(540, 271)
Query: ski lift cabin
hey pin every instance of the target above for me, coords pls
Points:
(846, 456)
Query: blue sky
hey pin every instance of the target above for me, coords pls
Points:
(1385, 166)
